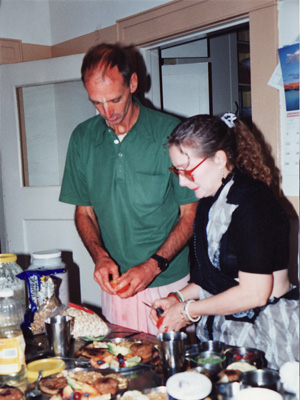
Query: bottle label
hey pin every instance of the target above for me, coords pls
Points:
(12, 355)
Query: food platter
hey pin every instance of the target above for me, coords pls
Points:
(95, 339)
(153, 393)
(83, 380)
(118, 354)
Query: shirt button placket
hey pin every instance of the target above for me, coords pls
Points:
(120, 165)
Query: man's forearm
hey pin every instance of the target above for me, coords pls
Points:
(89, 231)
(180, 234)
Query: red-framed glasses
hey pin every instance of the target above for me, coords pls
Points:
(187, 173)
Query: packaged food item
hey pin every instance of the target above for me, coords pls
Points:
(51, 260)
(42, 296)
(85, 322)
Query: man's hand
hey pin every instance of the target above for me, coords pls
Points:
(105, 267)
(138, 278)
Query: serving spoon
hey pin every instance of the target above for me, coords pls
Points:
(35, 392)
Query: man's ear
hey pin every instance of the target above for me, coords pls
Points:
(133, 83)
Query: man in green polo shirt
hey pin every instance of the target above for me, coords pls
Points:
(132, 215)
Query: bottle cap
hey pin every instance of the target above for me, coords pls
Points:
(6, 293)
(46, 254)
(6, 258)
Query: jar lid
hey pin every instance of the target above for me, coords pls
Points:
(6, 258)
(6, 293)
(188, 386)
(46, 254)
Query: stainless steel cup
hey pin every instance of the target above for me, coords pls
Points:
(171, 346)
(58, 330)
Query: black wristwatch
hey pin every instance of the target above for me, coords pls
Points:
(163, 263)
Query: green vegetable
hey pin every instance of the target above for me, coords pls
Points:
(74, 384)
(209, 360)
(93, 339)
(116, 349)
(131, 362)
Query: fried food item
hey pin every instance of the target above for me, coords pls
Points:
(88, 377)
(143, 350)
(53, 384)
(89, 352)
(241, 366)
(122, 380)
(134, 395)
(10, 393)
(107, 385)
(157, 396)
(229, 375)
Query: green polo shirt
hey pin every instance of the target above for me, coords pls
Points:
(135, 197)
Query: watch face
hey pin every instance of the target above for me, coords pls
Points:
(163, 265)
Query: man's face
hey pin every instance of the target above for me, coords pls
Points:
(111, 96)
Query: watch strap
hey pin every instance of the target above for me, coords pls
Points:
(163, 263)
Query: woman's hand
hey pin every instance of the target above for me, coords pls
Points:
(164, 303)
(174, 318)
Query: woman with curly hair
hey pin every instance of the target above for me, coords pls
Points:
(239, 291)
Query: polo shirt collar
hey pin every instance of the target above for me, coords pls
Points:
(142, 125)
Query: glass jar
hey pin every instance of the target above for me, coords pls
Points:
(51, 260)
(9, 269)
(12, 343)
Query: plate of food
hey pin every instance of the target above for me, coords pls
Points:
(118, 354)
(82, 383)
(10, 393)
(154, 393)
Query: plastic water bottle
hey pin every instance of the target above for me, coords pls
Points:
(12, 343)
(9, 269)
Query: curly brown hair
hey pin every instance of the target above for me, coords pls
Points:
(207, 134)
(250, 155)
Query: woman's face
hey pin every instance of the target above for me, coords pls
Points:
(206, 179)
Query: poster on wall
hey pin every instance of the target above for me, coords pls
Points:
(289, 64)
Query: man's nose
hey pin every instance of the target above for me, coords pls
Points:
(107, 110)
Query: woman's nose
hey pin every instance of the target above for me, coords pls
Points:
(183, 180)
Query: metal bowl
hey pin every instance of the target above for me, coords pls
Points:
(227, 390)
(264, 377)
(212, 345)
(247, 354)
(207, 360)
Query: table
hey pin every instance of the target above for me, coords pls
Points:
(37, 347)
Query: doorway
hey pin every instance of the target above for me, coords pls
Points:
(226, 53)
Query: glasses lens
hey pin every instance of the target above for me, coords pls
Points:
(187, 175)
(182, 172)
(174, 170)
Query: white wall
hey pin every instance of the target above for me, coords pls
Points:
(48, 22)
(288, 22)
(27, 20)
